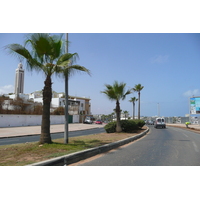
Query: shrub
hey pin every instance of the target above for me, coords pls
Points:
(59, 111)
(140, 123)
(110, 127)
(128, 125)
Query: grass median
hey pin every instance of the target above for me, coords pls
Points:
(28, 153)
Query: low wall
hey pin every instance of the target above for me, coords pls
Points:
(31, 120)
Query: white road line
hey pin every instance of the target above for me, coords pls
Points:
(184, 134)
(195, 147)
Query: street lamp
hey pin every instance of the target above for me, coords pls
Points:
(66, 98)
(158, 110)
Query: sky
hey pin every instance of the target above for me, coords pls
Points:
(166, 64)
(154, 43)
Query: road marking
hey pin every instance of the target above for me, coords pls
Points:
(195, 147)
(184, 134)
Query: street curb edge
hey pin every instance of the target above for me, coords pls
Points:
(81, 155)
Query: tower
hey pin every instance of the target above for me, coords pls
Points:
(19, 80)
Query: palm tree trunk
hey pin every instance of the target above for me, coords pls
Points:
(138, 105)
(45, 136)
(133, 110)
(118, 127)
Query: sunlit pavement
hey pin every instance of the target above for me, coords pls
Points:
(36, 130)
(193, 126)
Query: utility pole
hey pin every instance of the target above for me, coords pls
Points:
(66, 98)
(158, 110)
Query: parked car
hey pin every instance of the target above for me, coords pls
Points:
(98, 121)
(160, 122)
(88, 120)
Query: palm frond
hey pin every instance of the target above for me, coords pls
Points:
(138, 88)
(21, 52)
(133, 99)
(71, 70)
(116, 91)
(67, 59)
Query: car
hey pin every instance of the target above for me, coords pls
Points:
(150, 122)
(98, 121)
(88, 120)
(160, 122)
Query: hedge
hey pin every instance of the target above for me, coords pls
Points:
(127, 126)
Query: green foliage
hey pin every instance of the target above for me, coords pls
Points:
(110, 127)
(140, 123)
(128, 126)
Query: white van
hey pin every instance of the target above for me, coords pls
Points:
(160, 122)
(88, 120)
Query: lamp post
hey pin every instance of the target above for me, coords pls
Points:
(66, 98)
(158, 110)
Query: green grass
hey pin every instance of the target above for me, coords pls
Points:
(27, 153)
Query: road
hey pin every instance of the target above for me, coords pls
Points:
(161, 147)
(35, 138)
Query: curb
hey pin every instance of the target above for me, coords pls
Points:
(189, 128)
(81, 155)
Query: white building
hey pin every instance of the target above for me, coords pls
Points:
(77, 105)
(19, 80)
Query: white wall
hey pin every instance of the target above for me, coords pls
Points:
(31, 120)
(75, 118)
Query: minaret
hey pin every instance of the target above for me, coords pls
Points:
(19, 80)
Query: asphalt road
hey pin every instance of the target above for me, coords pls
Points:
(161, 147)
(35, 138)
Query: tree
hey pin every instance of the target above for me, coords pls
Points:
(133, 100)
(116, 92)
(19, 105)
(2, 99)
(46, 55)
(138, 88)
(125, 113)
(59, 111)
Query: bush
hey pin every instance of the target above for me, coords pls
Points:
(128, 125)
(140, 123)
(110, 127)
(59, 111)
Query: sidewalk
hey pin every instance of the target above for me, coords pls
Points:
(191, 126)
(36, 130)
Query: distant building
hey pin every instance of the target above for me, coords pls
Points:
(76, 105)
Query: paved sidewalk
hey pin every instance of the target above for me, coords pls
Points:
(35, 130)
(192, 126)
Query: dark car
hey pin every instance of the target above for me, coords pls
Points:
(150, 122)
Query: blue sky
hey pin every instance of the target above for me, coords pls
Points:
(167, 65)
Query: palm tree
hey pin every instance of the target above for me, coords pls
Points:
(138, 88)
(46, 55)
(133, 100)
(125, 113)
(113, 115)
(116, 92)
